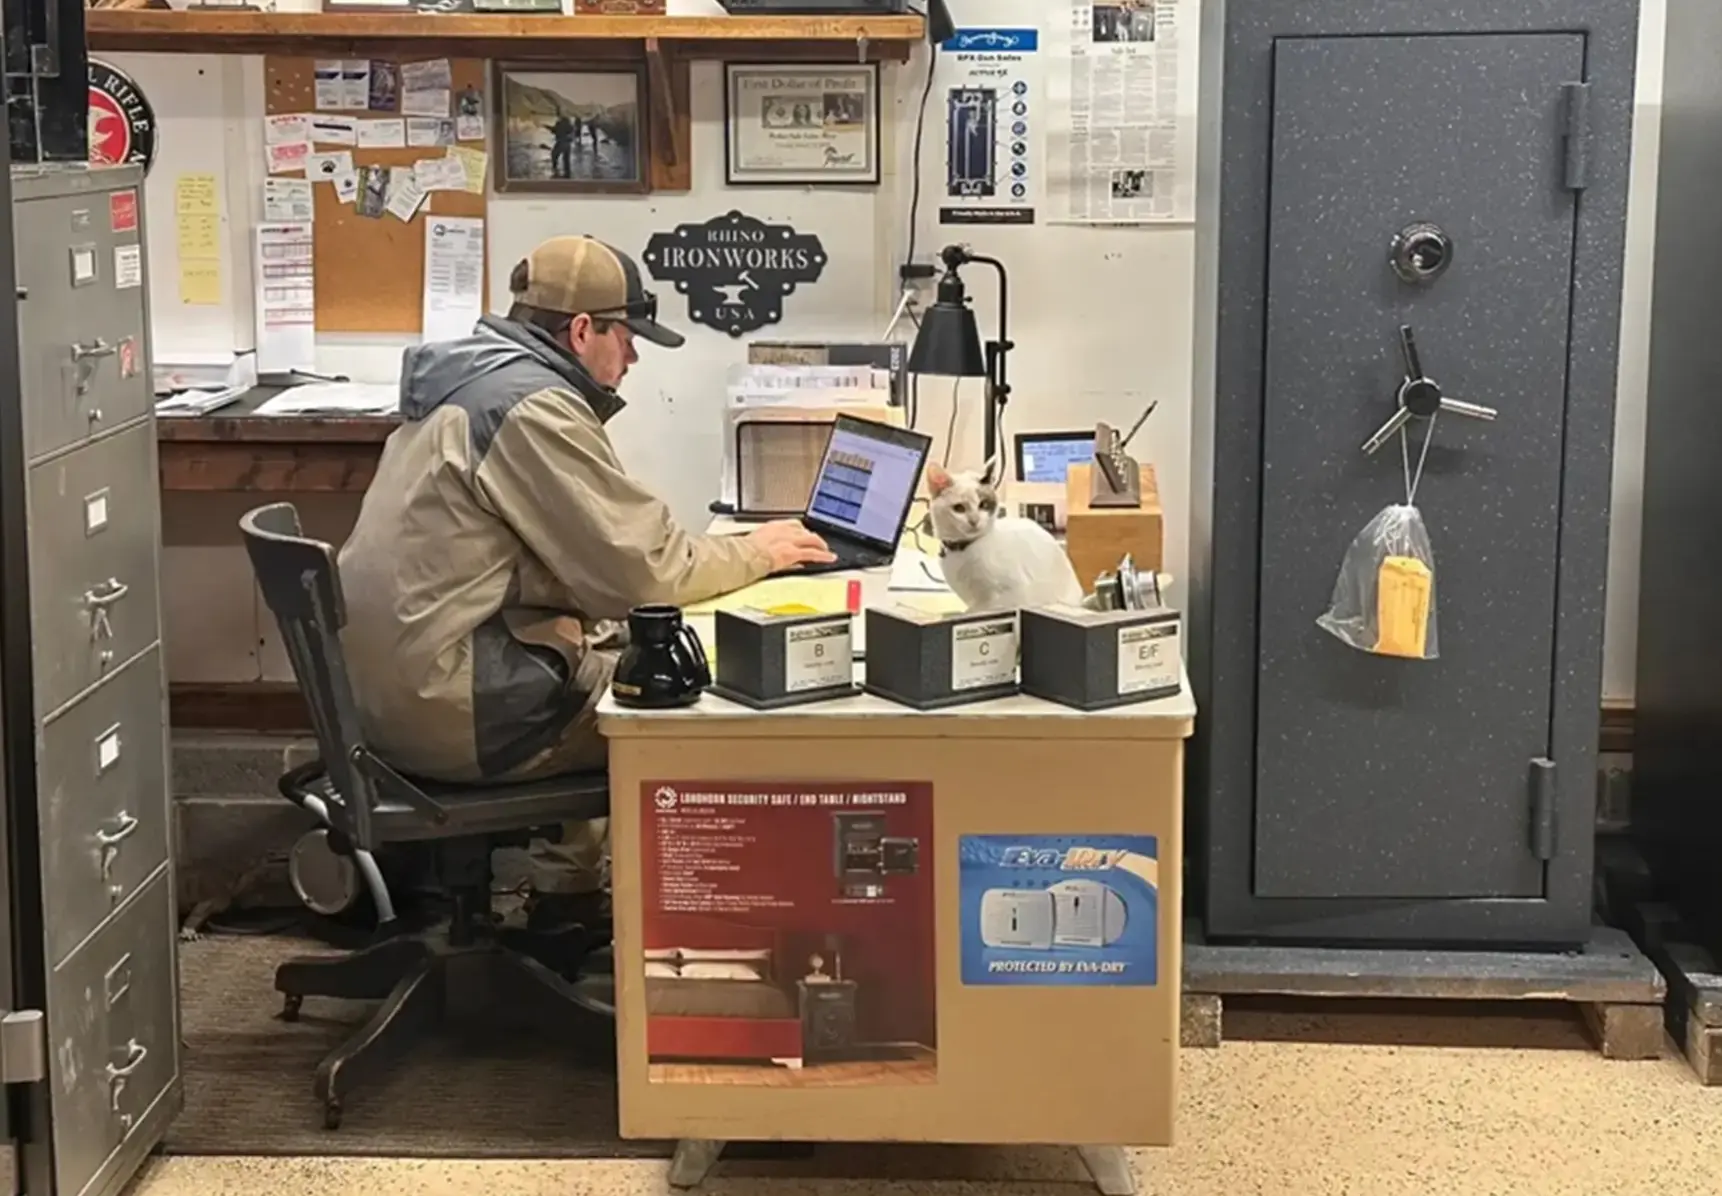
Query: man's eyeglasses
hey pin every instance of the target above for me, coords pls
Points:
(643, 308)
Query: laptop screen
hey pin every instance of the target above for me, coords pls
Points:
(866, 480)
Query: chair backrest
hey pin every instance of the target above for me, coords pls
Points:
(303, 590)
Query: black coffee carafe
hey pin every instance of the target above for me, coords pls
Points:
(664, 663)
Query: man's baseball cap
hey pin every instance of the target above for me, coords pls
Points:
(584, 276)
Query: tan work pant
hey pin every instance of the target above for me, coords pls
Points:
(580, 863)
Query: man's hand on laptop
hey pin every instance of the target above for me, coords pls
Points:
(790, 545)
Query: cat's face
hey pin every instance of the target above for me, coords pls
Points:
(964, 505)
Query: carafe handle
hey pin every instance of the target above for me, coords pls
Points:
(695, 662)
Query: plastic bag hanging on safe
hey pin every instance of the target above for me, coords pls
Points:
(1384, 599)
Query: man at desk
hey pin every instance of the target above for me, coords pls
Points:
(502, 539)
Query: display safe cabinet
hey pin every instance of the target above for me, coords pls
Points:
(89, 1037)
(1460, 170)
(1676, 765)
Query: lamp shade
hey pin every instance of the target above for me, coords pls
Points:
(948, 343)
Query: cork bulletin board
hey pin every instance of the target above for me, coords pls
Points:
(370, 271)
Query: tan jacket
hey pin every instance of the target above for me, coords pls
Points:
(498, 534)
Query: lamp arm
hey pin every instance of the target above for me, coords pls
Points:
(997, 378)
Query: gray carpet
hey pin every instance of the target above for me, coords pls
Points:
(483, 1089)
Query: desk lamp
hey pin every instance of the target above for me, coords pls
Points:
(949, 344)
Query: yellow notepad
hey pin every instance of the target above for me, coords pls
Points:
(818, 595)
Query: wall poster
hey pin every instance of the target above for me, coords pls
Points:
(1061, 910)
(991, 108)
(788, 933)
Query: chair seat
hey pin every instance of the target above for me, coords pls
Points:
(473, 809)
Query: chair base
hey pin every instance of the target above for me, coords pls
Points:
(416, 979)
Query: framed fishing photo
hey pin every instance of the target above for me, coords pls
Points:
(801, 125)
(571, 129)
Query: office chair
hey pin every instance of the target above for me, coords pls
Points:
(364, 804)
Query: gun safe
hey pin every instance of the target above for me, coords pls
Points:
(1408, 272)
(1676, 769)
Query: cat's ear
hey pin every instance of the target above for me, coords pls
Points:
(938, 479)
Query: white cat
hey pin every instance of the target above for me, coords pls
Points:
(993, 561)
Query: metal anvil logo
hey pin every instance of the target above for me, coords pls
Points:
(735, 270)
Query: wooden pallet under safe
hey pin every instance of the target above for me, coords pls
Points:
(1619, 990)
(1630, 895)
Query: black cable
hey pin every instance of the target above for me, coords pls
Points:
(951, 428)
(914, 379)
(915, 162)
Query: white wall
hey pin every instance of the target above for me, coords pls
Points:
(1101, 317)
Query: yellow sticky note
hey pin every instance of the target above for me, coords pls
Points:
(200, 283)
(816, 594)
(473, 162)
(195, 195)
(199, 237)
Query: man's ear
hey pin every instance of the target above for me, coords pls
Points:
(938, 480)
(579, 331)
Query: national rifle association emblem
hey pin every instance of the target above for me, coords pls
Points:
(122, 123)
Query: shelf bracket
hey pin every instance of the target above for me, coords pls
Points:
(861, 48)
(663, 101)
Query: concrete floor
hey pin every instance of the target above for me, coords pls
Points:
(1446, 1103)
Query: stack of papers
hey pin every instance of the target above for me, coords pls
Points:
(191, 403)
(807, 385)
(335, 398)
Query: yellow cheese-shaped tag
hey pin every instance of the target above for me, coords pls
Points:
(1402, 589)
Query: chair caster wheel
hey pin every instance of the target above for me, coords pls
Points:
(290, 1008)
(332, 1115)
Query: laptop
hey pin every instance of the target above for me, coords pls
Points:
(862, 493)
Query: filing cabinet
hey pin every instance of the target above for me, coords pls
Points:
(93, 1028)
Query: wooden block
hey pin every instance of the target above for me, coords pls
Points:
(1704, 1051)
(1627, 1031)
(1096, 539)
(1201, 1020)
(1610, 970)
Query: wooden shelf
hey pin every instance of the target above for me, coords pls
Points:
(839, 39)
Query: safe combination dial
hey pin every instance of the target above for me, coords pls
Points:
(1420, 396)
(1421, 252)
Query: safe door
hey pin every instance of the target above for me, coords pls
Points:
(1419, 285)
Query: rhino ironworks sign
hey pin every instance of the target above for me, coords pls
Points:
(735, 270)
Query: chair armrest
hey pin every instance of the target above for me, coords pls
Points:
(298, 783)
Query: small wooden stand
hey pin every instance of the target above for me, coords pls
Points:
(1096, 539)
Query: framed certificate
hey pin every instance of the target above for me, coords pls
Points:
(801, 125)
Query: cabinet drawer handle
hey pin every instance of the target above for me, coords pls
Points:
(136, 1053)
(127, 824)
(114, 590)
(96, 348)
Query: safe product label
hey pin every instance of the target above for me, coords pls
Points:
(1060, 910)
(1148, 658)
(983, 654)
(817, 656)
(766, 902)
